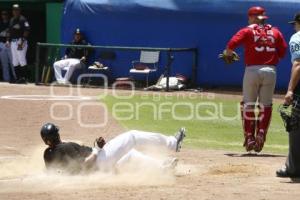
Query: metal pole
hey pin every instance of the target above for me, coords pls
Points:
(168, 69)
(194, 67)
(37, 63)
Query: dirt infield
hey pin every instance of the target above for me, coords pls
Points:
(201, 174)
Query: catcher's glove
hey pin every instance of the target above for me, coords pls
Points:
(229, 59)
(290, 116)
(99, 142)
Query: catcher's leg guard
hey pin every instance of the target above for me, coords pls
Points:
(248, 121)
(262, 126)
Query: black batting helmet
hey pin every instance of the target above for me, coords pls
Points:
(49, 133)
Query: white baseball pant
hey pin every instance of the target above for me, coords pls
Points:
(69, 64)
(259, 84)
(123, 147)
(18, 56)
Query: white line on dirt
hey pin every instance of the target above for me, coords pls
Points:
(47, 97)
(235, 144)
(7, 157)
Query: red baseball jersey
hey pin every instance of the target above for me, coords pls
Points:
(264, 44)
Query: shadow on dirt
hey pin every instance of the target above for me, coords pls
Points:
(253, 155)
(291, 180)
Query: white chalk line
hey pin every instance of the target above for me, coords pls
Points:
(234, 144)
(48, 98)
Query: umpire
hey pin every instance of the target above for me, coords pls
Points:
(292, 97)
(18, 33)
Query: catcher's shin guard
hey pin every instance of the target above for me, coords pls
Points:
(262, 126)
(248, 122)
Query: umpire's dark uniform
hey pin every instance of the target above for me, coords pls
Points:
(292, 167)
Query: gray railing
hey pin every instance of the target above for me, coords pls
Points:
(168, 50)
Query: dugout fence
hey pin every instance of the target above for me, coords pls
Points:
(48, 53)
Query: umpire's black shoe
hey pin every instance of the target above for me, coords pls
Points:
(179, 136)
(282, 173)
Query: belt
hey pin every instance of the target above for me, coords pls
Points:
(273, 66)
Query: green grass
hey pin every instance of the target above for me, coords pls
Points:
(214, 133)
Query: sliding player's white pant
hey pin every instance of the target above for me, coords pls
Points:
(123, 147)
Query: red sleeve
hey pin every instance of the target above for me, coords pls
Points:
(281, 45)
(238, 39)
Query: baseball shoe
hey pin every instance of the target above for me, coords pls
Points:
(249, 143)
(21, 81)
(179, 137)
(259, 142)
(282, 173)
(170, 163)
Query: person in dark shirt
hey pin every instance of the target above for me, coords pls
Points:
(75, 57)
(5, 54)
(68, 157)
(292, 98)
(18, 33)
(73, 158)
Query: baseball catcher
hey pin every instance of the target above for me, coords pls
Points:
(264, 46)
(73, 158)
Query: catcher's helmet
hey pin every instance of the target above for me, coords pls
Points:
(258, 11)
(49, 133)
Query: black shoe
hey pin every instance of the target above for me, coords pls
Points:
(21, 81)
(282, 173)
(12, 81)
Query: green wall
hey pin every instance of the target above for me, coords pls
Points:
(53, 18)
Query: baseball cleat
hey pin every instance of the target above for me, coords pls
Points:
(21, 81)
(259, 143)
(179, 137)
(249, 143)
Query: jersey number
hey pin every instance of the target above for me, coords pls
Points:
(269, 39)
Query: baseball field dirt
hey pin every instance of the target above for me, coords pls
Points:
(200, 174)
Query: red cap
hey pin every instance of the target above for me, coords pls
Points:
(257, 11)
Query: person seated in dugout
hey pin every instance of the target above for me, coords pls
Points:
(72, 158)
(75, 58)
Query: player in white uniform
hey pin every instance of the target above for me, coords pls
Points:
(18, 34)
(75, 58)
(74, 158)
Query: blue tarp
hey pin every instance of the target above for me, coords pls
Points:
(205, 24)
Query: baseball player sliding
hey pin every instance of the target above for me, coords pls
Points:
(264, 47)
(74, 158)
